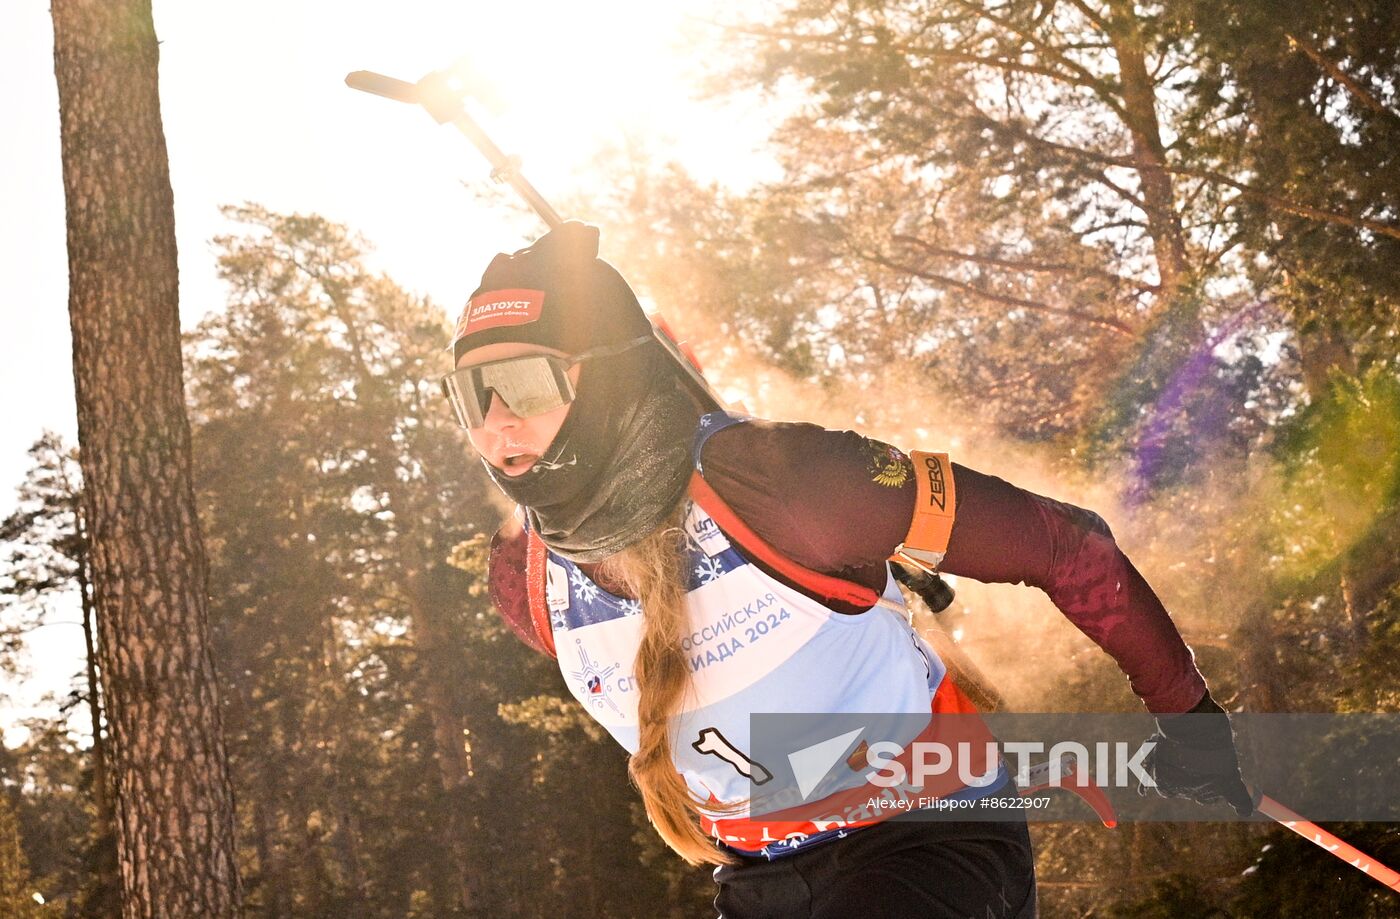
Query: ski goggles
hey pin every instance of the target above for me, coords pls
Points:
(529, 385)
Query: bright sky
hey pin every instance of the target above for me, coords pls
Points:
(255, 109)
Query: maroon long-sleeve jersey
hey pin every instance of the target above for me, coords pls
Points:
(840, 503)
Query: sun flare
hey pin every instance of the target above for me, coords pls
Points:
(554, 83)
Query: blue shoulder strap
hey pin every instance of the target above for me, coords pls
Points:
(710, 425)
(816, 583)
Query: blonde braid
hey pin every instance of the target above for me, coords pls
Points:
(653, 569)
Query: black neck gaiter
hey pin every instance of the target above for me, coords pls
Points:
(619, 463)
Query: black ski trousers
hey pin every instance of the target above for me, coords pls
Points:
(897, 869)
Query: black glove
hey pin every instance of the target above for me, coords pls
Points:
(1195, 758)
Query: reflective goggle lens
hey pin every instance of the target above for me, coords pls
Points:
(528, 386)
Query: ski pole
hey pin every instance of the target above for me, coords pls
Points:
(435, 93)
(1330, 843)
(1057, 774)
(442, 95)
(1042, 776)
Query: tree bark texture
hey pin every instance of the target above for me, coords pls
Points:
(174, 802)
(1149, 156)
(1322, 348)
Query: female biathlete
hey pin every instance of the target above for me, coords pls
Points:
(688, 570)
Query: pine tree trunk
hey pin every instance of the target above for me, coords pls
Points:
(1322, 349)
(454, 769)
(173, 800)
(1261, 675)
(17, 888)
(104, 889)
(273, 885)
(429, 629)
(1140, 104)
(101, 797)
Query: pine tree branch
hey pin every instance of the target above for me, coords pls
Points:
(837, 43)
(1030, 266)
(1363, 94)
(1108, 94)
(1101, 176)
(1093, 16)
(1266, 198)
(1112, 225)
(1291, 207)
(942, 280)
